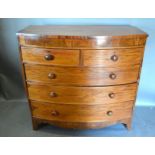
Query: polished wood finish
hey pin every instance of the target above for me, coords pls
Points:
(81, 95)
(80, 31)
(50, 56)
(81, 36)
(81, 77)
(112, 58)
(82, 43)
(82, 113)
(80, 125)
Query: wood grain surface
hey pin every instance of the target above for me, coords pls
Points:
(60, 56)
(82, 95)
(83, 43)
(81, 77)
(82, 36)
(37, 122)
(86, 76)
(82, 113)
(112, 58)
(78, 31)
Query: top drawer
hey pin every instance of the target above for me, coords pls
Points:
(113, 58)
(50, 56)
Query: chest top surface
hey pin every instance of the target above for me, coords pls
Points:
(89, 36)
(85, 31)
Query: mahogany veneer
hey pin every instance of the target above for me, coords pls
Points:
(81, 76)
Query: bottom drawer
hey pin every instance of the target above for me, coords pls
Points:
(81, 113)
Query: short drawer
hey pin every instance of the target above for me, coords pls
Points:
(82, 113)
(50, 56)
(82, 95)
(113, 58)
(83, 76)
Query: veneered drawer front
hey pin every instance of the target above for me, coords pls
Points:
(113, 58)
(82, 76)
(50, 56)
(82, 113)
(81, 95)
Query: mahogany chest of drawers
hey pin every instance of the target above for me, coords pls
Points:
(81, 76)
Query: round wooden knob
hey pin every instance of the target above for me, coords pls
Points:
(114, 58)
(109, 113)
(111, 95)
(53, 94)
(49, 57)
(112, 76)
(55, 113)
(51, 76)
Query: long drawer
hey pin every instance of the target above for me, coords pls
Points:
(81, 95)
(112, 58)
(84, 76)
(50, 56)
(82, 113)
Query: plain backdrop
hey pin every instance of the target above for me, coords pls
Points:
(11, 85)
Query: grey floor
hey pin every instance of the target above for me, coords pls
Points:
(15, 121)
